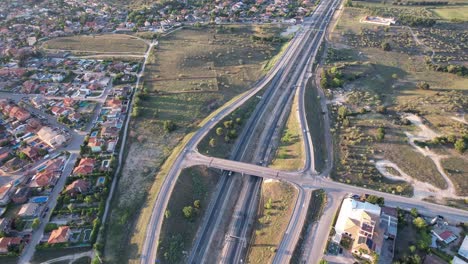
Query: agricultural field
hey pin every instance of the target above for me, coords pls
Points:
(104, 44)
(211, 59)
(277, 205)
(162, 122)
(396, 119)
(185, 211)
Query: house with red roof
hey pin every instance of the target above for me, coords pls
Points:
(85, 167)
(7, 242)
(44, 178)
(68, 102)
(31, 152)
(77, 187)
(59, 235)
(22, 114)
(444, 235)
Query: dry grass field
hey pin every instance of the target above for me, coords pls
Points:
(109, 43)
(210, 59)
(278, 199)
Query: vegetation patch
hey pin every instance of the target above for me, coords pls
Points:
(457, 169)
(290, 152)
(184, 213)
(276, 207)
(452, 13)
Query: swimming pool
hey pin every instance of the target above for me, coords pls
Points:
(94, 134)
(100, 181)
(39, 199)
(41, 168)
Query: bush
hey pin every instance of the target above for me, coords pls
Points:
(460, 145)
(386, 46)
(423, 86)
(169, 125)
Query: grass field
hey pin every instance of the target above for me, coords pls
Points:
(152, 150)
(450, 13)
(196, 183)
(210, 59)
(457, 170)
(111, 43)
(277, 205)
(290, 152)
(316, 124)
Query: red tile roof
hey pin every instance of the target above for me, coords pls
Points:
(59, 235)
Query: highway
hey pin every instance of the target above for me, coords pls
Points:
(245, 211)
(149, 251)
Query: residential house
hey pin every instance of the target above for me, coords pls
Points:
(51, 137)
(5, 194)
(31, 152)
(95, 144)
(54, 165)
(7, 242)
(21, 195)
(356, 223)
(389, 221)
(444, 235)
(85, 167)
(114, 103)
(76, 187)
(29, 210)
(109, 132)
(22, 114)
(59, 235)
(44, 178)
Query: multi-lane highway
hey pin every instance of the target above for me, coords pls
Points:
(149, 251)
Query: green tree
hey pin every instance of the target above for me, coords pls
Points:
(460, 145)
(219, 131)
(268, 204)
(386, 46)
(373, 199)
(188, 212)
(414, 212)
(228, 124)
(169, 125)
(71, 207)
(167, 214)
(423, 86)
(88, 199)
(35, 224)
(197, 204)
(380, 133)
(212, 142)
(342, 112)
(22, 156)
(420, 223)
